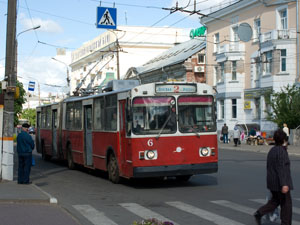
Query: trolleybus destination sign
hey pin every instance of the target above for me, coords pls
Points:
(175, 88)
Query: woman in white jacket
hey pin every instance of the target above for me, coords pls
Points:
(236, 135)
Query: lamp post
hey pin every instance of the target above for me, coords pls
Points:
(118, 46)
(68, 78)
(7, 129)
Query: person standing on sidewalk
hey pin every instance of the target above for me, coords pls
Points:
(279, 182)
(25, 145)
(225, 133)
(236, 135)
(286, 130)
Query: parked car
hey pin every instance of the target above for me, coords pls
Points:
(31, 130)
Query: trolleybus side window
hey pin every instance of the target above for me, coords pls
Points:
(73, 115)
(111, 112)
(48, 117)
(98, 113)
(196, 114)
(154, 115)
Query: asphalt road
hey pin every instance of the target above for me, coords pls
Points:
(227, 198)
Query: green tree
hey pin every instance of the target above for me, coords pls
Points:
(285, 106)
(29, 114)
(18, 104)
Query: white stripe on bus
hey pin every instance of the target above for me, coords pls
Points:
(217, 219)
(144, 212)
(93, 215)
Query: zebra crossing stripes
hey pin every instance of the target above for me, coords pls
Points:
(241, 208)
(263, 201)
(235, 206)
(217, 219)
(144, 212)
(93, 215)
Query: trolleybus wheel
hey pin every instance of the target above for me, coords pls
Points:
(113, 170)
(183, 178)
(45, 157)
(71, 164)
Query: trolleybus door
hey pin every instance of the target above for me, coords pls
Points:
(88, 147)
(126, 158)
(54, 132)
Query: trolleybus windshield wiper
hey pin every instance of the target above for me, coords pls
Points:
(193, 129)
(163, 127)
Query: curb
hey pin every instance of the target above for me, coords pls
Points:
(51, 199)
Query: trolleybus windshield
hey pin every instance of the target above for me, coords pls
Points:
(195, 114)
(151, 113)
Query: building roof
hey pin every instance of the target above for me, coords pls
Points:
(172, 56)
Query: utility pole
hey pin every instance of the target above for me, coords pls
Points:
(10, 79)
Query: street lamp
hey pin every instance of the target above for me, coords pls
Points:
(33, 28)
(68, 78)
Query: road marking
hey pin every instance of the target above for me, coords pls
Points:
(93, 215)
(241, 208)
(217, 219)
(144, 212)
(264, 201)
(235, 206)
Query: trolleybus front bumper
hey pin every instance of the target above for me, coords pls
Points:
(175, 170)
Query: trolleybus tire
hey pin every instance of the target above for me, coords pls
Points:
(183, 178)
(45, 157)
(113, 170)
(71, 164)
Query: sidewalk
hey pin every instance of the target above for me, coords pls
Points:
(292, 150)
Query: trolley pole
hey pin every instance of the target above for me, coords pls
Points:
(7, 150)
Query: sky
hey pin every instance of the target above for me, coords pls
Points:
(70, 23)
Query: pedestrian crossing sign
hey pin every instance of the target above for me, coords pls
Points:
(106, 18)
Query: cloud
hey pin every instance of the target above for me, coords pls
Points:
(48, 26)
(44, 71)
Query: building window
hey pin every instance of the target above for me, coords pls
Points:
(256, 29)
(257, 108)
(234, 108)
(268, 62)
(283, 60)
(233, 70)
(216, 42)
(201, 59)
(222, 109)
(235, 39)
(215, 75)
(283, 19)
(258, 68)
(222, 72)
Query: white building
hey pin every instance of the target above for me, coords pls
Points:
(96, 62)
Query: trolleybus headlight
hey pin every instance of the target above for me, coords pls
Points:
(204, 151)
(151, 154)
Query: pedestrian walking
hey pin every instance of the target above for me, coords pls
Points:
(25, 145)
(279, 182)
(236, 135)
(225, 133)
(286, 130)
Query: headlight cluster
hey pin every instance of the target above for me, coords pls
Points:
(148, 154)
(204, 152)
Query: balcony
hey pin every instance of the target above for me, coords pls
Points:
(229, 50)
(278, 35)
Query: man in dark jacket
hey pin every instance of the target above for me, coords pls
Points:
(25, 145)
(225, 133)
(279, 182)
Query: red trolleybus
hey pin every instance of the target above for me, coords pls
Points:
(149, 130)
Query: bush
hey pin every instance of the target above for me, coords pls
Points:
(152, 222)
